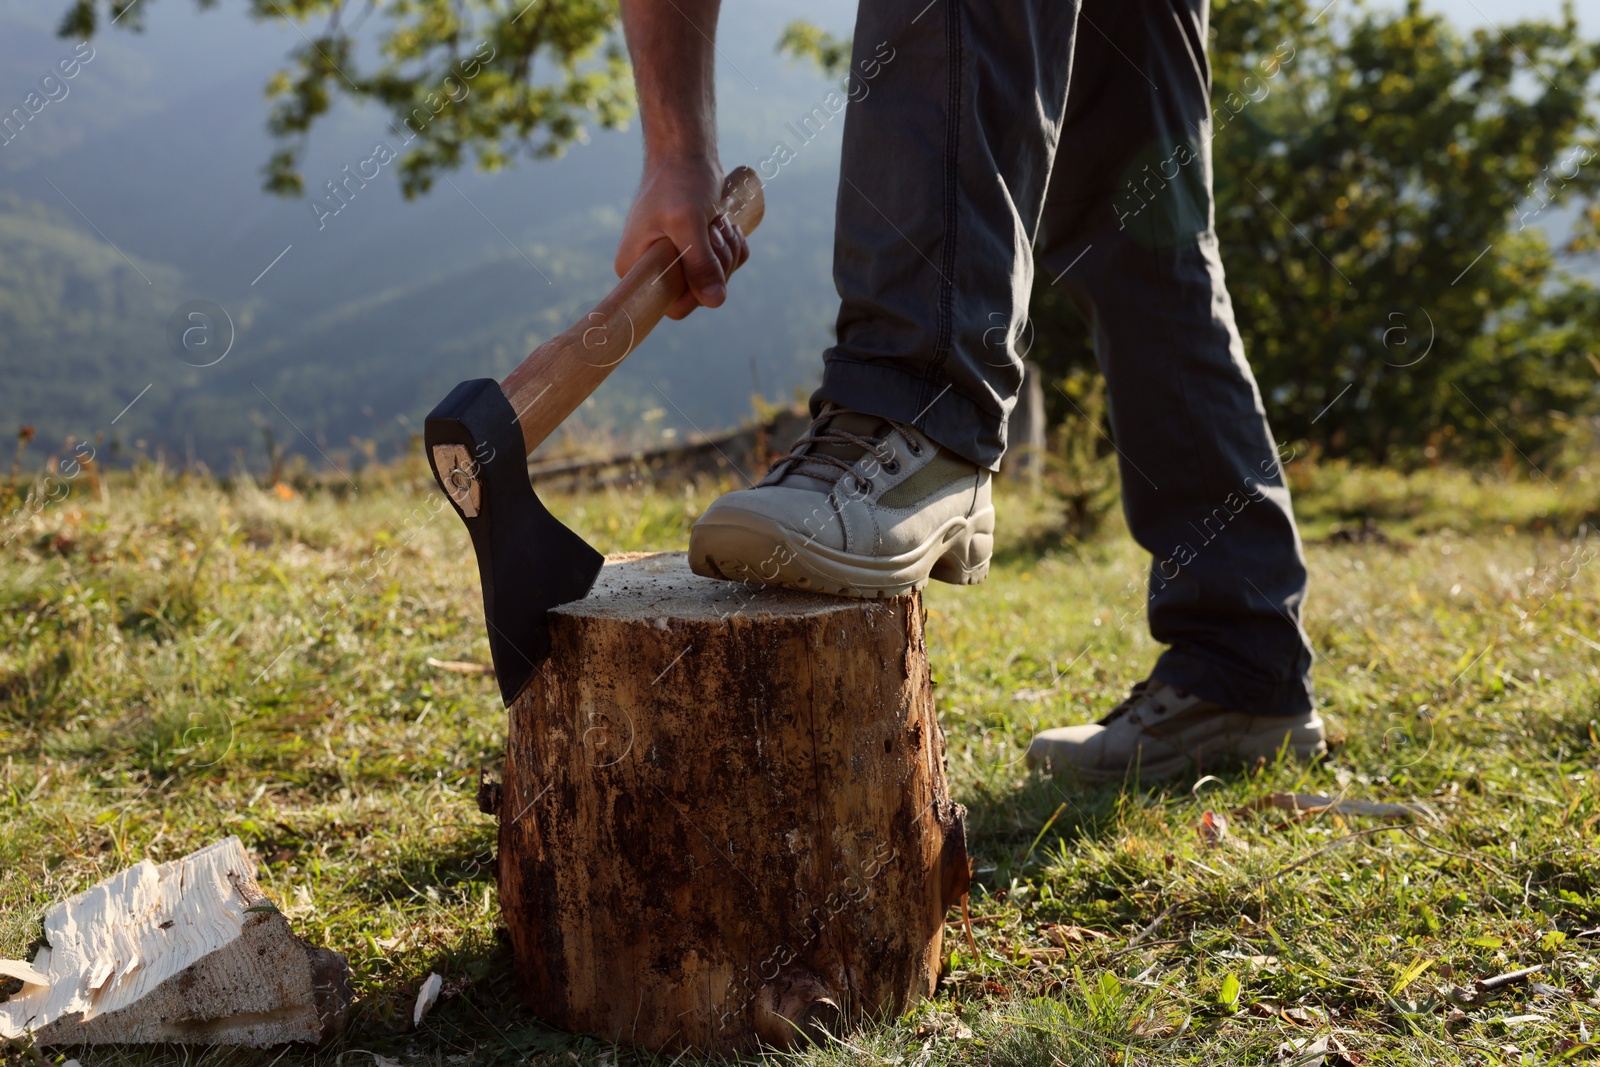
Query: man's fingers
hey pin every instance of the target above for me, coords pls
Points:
(711, 252)
(725, 251)
(702, 268)
(736, 239)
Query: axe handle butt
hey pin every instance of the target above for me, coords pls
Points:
(560, 374)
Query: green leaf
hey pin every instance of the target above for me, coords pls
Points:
(1228, 998)
(1486, 941)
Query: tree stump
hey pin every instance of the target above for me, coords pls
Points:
(724, 820)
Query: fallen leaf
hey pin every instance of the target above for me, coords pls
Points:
(1051, 953)
(1066, 935)
(1213, 828)
(1303, 1051)
(426, 997)
(1339, 1055)
(1256, 961)
(944, 1024)
(24, 973)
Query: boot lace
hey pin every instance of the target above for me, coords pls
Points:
(1134, 698)
(798, 454)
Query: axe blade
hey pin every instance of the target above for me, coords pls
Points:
(528, 561)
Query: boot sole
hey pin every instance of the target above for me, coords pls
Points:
(1223, 754)
(957, 553)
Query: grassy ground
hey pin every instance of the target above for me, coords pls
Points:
(179, 662)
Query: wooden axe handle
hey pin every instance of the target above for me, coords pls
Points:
(561, 373)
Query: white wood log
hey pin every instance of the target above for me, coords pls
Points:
(186, 951)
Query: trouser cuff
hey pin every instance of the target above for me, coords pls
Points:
(1194, 672)
(955, 421)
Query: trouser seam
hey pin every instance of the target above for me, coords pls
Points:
(952, 192)
(1185, 372)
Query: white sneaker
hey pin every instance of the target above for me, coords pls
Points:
(861, 506)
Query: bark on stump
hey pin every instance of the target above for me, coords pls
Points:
(724, 820)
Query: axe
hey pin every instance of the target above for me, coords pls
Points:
(479, 437)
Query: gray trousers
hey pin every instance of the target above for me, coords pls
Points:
(966, 153)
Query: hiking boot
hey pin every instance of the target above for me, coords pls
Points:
(1161, 732)
(861, 506)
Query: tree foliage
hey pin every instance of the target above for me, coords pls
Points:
(485, 78)
(1379, 204)
(803, 40)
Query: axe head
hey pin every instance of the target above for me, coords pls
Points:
(528, 562)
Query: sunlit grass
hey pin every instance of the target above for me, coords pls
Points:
(182, 661)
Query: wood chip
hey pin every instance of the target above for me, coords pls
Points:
(100, 974)
(1308, 804)
(1213, 829)
(427, 996)
(24, 973)
(456, 666)
(1500, 981)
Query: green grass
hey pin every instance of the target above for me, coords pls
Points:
(182, 661)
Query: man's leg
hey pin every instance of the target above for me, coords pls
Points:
(1128, 227)
(948, 143)
(945, 165)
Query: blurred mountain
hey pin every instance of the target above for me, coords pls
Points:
(140, 191)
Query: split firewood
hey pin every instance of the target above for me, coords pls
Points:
(187, 951)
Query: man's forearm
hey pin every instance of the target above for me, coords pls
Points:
(674, 63)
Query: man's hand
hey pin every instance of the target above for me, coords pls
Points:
(671, 43)
(680, 200)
